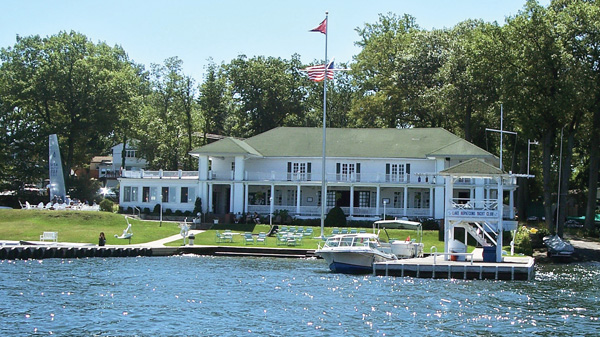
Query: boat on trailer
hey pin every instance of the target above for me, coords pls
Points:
(355, 253)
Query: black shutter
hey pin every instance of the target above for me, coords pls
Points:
(289, 171)
(387, 172)
(308, 171)
(407, 168)
(357, 171)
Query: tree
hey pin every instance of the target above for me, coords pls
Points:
(539, 83)
(582, 36)
(213, 102)
(266, 93)
(63, 84)
(168, 118)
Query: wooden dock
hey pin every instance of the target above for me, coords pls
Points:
(511, 268)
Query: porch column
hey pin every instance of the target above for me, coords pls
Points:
(231, 198)
(272, 201)
(479, 193)
(431, 201)
(378, 198)
(238, 197)
(298, 198)
(448, 224)
(500, 225)
(351, 200)
(203, 195)
(203, 167)
(210, 198)
(405, 211)
(239, 168)
(511, 204)
(246, 198)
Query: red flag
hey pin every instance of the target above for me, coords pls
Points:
(321, 28)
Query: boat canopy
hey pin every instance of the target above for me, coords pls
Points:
(399, 224)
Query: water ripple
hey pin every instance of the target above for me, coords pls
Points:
(192, 295)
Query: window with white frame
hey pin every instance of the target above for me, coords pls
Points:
(127, 193)
(364, 199)
(396, 172)
(145, 194)
(398, 199)
(165, 194)
(130, 153)
(184, 195)
(330, 198)
(134, 194)
(421, 199)
(291, 197)
(298, 171)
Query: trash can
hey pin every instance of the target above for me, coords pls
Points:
(191, 239)
(489, 254)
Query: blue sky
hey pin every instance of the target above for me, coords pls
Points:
(195, 30)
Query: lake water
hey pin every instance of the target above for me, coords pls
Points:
(210, 296)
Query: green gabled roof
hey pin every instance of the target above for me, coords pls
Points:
(352, 143)
(458, 147)
(227, 147)
(473, 167)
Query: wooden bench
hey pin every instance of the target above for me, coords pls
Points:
(50, 236)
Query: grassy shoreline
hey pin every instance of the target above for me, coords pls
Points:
(84, 227)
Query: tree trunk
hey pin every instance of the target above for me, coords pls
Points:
(590, 210)
(564, 182)
(547, 143)
(123, 154)
(468, 114)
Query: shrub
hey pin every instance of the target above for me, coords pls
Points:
(430, 224)
(335, 218)
(146, 210)
(198, 206)
(523, 242)
(187, 213)
(178, 212)
(106, 205)
(156, 209)
(168, 211)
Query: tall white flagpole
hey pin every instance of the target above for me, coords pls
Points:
(323, 174)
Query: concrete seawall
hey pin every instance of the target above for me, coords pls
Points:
(24, 251)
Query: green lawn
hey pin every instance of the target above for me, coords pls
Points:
(84, 227)
(430, 238)
(78, 226)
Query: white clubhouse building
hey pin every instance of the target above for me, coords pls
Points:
(369, 172)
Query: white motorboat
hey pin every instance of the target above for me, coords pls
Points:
(355, 253)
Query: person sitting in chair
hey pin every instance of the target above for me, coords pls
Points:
(256, 218)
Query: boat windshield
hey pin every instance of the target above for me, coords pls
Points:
(351, 241)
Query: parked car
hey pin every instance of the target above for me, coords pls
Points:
(573, 224)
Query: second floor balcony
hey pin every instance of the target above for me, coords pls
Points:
(277, 176)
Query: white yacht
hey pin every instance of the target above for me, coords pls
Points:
(355, 253)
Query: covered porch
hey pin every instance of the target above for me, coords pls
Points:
(360, 202)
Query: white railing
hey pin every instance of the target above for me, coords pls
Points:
(315, 211)
(479, 205)
(160, 174)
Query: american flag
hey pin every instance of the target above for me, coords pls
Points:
(317, 73)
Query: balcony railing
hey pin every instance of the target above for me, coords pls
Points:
(487, 208)
(160, 174)
(367, 212)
